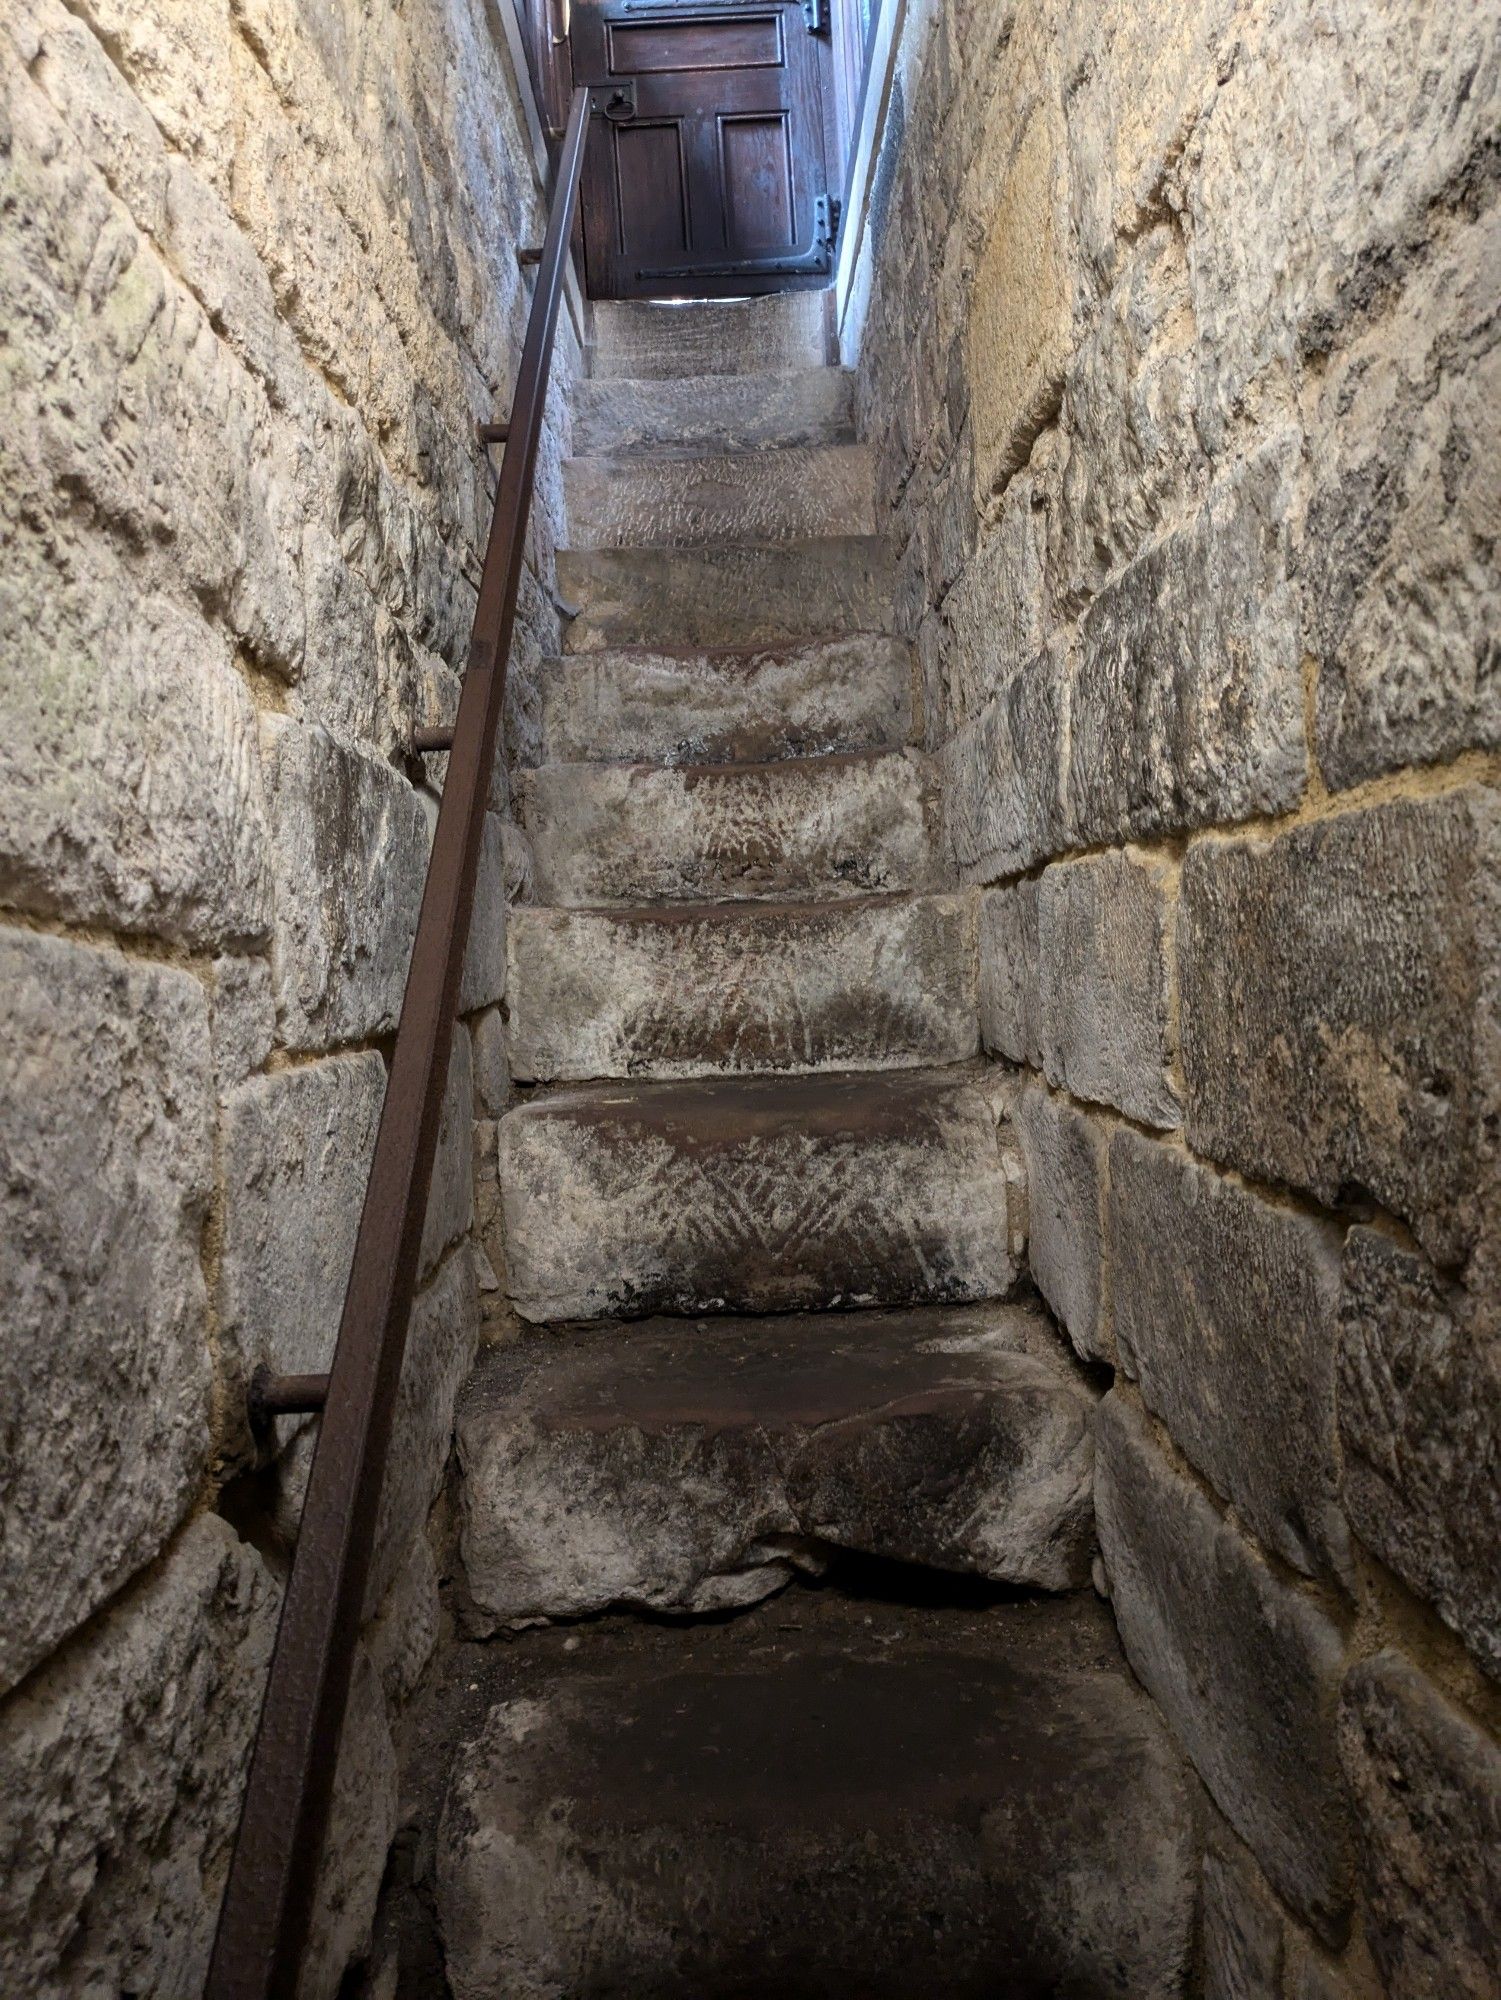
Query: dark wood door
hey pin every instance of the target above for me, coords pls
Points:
(707, 173)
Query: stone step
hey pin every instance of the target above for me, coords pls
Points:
(761, 595)
(646, 707)
(799, 406)
(820, 1799)
(857, 825)
(764, 1194)
(724, 497)
(709, 337)
(727, 989)
(692, 1465)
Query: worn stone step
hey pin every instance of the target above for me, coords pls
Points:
(720, 497)
(857, 825)
(709, 337)
(761, 595)
(764, 1194)
(693, 1465)
(820, 1799)
(799, 406)
(726, 989)
(642, 707)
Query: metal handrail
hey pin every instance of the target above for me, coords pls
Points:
(268, 1900)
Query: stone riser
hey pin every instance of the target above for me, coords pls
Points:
(729, 497)
(761, 1195)
(725, 991)
(742, 337)
(740, 597)
(688, 1465)
(818, 827)
(732, 708)
(715, 412)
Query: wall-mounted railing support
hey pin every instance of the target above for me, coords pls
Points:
(269, 1396)
(489, 434)
(427, 741)
(273, 1874)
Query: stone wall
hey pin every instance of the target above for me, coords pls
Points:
(1182, 343)
(258, 258)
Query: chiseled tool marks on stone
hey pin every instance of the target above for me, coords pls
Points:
(647, 707)
(778, 594)
(641, 340)
(724, 989)
(694, 413)
(687, 1464)
(759, 1195)
(856, 825)
(741, 496)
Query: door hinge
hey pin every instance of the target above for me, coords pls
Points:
(816, 14)
(810, 263)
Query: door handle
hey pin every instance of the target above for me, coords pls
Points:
(620, 105)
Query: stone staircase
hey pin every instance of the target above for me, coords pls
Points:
(763, 1209)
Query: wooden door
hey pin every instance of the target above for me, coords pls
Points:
(706, 174)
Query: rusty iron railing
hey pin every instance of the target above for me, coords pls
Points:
(268, 1901)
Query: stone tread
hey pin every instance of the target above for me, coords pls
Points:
(689, 1465)
(639, 706)
(759, 1194)
(611, 834)
(732, 337)
(803, 406)
(818, 1801)
(759, 595)
(725, 989)
(720, 497)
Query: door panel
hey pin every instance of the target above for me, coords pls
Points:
(706, 172)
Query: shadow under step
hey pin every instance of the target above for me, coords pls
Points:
(762, 1194)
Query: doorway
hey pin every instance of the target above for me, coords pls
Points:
(718, 137)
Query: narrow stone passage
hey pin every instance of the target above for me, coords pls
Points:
(767, 1219)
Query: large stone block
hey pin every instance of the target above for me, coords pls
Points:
(349, 850)
(1187, 703)
(1426, 1785)
(1245, 1669)
(130, 792)
(1332, 1007)
(450, 1200)
(1065, 1154)
(995, 612)
(1225, 1310)
(772, 407)
(1010, 1017)
(178, 63)
(362, 1820)
(1243, 1947)
(1103, 930)
(296, 1155)
(1393, 107)
(1420, 1421)
(440, 1352)
(122, 1766)
(105, 1170)
(1021, 312)
(1132, 461)
(1403, 578)
(1002, 812)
